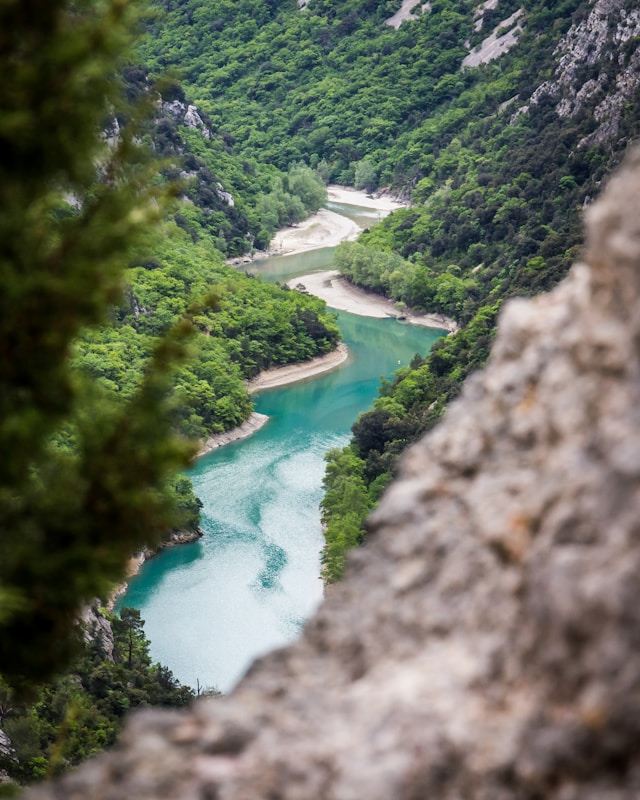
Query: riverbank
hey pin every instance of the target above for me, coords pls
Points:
(292, 373)
(137, 561)
(338, 293)
(267, 379)
(327, 228)
(271, 379)
(324, 229)
(248, 427)
(349, 196)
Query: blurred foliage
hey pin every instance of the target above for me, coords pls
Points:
(98, 303)
(72, 213)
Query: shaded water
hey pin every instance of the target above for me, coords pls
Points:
(250, 583)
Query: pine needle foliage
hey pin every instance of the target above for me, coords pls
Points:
(83, 480)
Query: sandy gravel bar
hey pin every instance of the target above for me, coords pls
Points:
(292, 373)
(324, 229)
(248, 427)
(338, 293)
(356, 197)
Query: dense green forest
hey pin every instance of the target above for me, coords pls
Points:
(497, 213)
(496, 192)
(124, 335)
(81, 712)
(247, 326)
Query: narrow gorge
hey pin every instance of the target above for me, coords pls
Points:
(255, 577)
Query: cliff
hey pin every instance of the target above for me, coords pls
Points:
(484, 643)
(597, 69)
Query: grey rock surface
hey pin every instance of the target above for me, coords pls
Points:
(604, 45)
(503, 37)
(485, 643)
(7, 753)
(96, 628)
(185, 114)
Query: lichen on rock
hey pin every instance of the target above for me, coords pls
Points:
(484, 643)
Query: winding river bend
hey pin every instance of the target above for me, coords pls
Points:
(249, 584)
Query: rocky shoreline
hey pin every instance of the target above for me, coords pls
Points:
(136, 561)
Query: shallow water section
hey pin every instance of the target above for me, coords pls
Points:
(249, 584)
(283, 268)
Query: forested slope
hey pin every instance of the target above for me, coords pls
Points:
(499, 159)
(499, 122)
(497, 213)
(81, 712)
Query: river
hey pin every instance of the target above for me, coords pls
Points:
(249, 584)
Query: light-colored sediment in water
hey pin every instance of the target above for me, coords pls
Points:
(292, 373)
(338, 293)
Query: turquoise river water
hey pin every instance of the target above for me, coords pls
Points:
(249, 584)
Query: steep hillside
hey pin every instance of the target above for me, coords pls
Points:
(497, 213)
(500, 122)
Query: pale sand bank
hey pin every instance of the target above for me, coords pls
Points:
(324, 229)
(338, 293)
(292, 373)
(355, 197)
(248, 427)
(270, 379)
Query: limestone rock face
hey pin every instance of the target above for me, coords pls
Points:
(604, 46)
(497, 43)
(96, 628)
(485, 643)
(185, 114)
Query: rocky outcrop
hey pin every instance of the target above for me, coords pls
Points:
(185, 114)
(484, 644)
(96, 629)
(598, 68)
(409, 11)
(480, 11)
(503, 37)
(7, 756)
